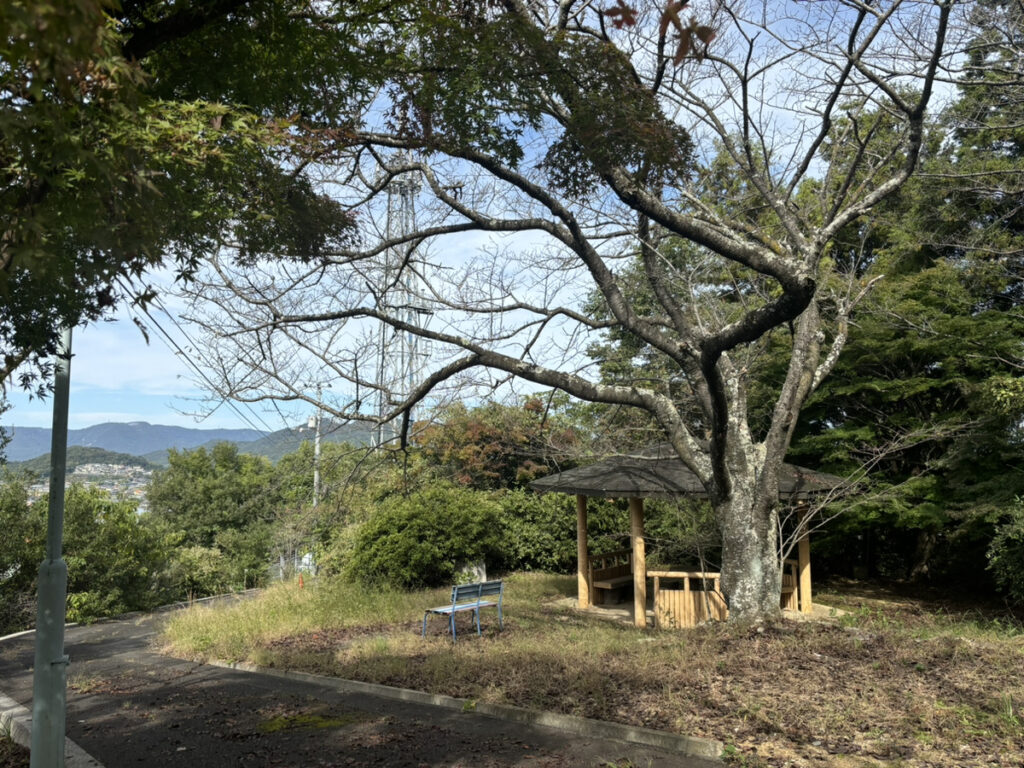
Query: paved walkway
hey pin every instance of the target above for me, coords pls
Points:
(128, 705)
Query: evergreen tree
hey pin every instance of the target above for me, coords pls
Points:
(929, 390)
(218, 499)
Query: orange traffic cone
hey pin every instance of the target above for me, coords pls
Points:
(301, 585)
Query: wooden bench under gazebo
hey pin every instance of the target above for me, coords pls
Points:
(681, 598)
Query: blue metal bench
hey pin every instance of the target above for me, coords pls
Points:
(470, 597)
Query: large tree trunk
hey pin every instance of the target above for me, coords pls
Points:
(751, 577)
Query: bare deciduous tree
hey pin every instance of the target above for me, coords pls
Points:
(556, 144)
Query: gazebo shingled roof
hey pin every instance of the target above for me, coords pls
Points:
(658, 473)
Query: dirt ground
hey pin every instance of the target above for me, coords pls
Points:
(895, 680)
(12, 755)
(898, 681)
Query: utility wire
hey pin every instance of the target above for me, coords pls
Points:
(182, 353)
(175, 347)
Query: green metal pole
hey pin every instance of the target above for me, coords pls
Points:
(49, 682)
(316, 447)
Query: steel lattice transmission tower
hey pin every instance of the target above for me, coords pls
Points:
(401, 354)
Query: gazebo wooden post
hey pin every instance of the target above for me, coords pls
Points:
(583, 586)
(636, 535)
(803, 557)
(659, 473)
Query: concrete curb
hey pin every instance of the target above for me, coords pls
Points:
(18, 634)
(691, 746)
(16, 722)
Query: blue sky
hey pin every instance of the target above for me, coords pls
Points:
(116, 376)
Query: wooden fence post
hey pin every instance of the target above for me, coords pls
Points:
(636, 532)
(803, 556)
(583, 585)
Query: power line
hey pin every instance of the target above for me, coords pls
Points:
(174, 346)
(182, 353)
(330, 462)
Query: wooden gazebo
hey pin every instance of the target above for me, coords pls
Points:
(659, 473)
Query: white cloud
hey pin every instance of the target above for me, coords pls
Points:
(114, 356)
(117, 377)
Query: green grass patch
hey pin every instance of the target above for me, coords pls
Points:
(892, 682)
(238, 631)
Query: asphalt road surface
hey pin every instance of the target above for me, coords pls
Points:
(128, 705)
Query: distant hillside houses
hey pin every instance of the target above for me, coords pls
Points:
(120, 481)
(113, 470)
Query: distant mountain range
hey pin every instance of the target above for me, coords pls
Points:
(136, 438)
(152, 441)
(274, 445)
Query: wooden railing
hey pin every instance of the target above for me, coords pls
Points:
(687, 607)
(611, 564)
(791, 585)
(701, 598)
(609, 572)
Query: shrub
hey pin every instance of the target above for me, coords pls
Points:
(539, 532)
(421, 540)
(197, 572)
(1006, 554)
(333, 555)
(112, 558)
(21, 551)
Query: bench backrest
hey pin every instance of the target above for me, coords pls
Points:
(475, 593)
(611, 565)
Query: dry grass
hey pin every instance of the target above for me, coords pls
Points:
(891, 683)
